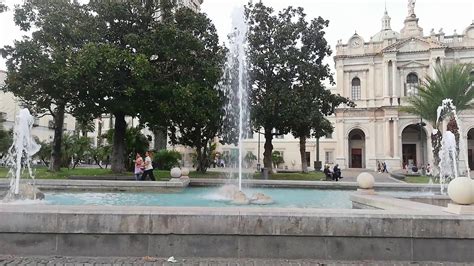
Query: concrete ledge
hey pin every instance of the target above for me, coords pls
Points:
(408, 235)
(106, 185)
(341, 185)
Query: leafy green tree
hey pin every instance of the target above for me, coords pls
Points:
(113, 71)
(277, 159)
(311, 101)
(101, 155)
(6, 140)
(187, 64)
(273, 46)
(3, 8)
(44, 154)
(135, 142)
(165, 160)
(40, 72)
(453, 82)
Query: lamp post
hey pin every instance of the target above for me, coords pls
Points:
(422, 161)
(258, 150)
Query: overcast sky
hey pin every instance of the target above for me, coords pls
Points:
(345, 16)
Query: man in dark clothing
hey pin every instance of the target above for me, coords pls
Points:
(336, 172)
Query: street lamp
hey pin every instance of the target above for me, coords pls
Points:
(258, 150)
(422, 161)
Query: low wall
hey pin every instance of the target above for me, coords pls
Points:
(236, 233)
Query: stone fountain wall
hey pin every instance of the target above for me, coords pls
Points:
(392, 235)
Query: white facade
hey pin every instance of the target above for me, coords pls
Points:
(379, 75)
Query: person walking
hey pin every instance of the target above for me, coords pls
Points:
(148, 165)
(384, 166)
(138, 167)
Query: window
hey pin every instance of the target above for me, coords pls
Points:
(64, 126)
(329, 135)
(412, 85)
(51, 124)
(328, 157)
(36, 122)
(3, 117)
(355, 89)
(278, 135)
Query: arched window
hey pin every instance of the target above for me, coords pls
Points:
(355, 89)
(412, 84)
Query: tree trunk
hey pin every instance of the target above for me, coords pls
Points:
(161, 139)
(304, 166)
(267, 154)
(202, 161)
(118, 150)
(58, 119)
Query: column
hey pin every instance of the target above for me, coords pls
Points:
(386, 137)
(394, 82)
(396, 139)
(386, 81)
(371, 85)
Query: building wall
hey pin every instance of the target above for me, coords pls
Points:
(383, 65)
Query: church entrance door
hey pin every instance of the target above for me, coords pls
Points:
(356, 156)
(356, 149)
(409, 155)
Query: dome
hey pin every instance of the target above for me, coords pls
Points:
(386, 32)
(384, 35)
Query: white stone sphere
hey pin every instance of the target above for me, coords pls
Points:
(365, 180)
(460, 190)
(184, 171)
(175, 172)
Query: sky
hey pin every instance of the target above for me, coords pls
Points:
(345, 16)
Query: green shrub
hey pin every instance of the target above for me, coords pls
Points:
(165, 160)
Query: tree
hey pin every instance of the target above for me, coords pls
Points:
(113, 71)
(311, 101)
(40, 67)
(135, 142)
(453, 82)
(44, 154)
(187, 66)
(3, 8)
(273, 45)
(6, 140)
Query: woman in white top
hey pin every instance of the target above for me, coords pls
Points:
(148, 165)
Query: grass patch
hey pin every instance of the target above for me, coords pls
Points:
(44, 173)
(422, 179)
(164, 175)
(311, 176)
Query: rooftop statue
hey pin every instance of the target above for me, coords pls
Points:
(411, 7)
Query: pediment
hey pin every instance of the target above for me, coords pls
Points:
(414, 44)
(413, 64)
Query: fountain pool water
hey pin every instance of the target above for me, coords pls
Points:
(208, 197)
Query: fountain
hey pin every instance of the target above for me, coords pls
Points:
(19, 158)
(460, 188)
(237, 116)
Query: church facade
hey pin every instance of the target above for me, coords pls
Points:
(379, 75)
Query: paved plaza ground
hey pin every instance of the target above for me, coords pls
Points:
(151, 261)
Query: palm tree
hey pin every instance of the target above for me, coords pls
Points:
(453, 82)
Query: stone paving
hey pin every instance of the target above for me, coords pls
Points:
(152, 261)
